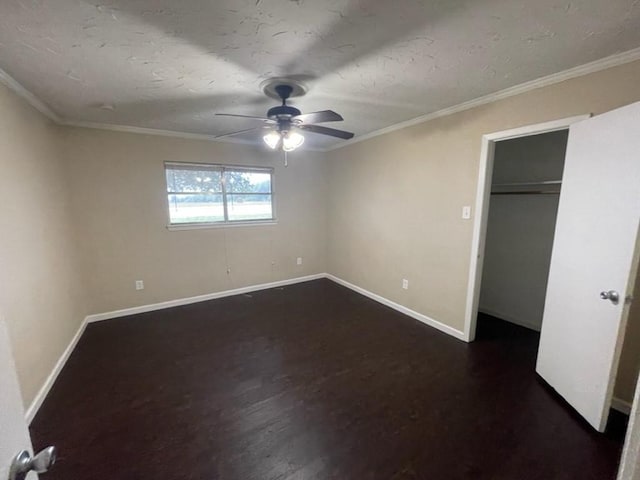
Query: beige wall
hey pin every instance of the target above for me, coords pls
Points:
(395, 201)
(119, 198)
(41, 293)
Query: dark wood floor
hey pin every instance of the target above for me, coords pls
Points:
(310, 381)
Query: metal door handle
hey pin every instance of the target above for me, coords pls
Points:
(24, 463)
(611, 295)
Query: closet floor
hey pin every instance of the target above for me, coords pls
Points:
(310, 381)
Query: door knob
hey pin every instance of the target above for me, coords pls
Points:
(611, 295)
(24, 463)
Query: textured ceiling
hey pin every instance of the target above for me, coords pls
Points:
(170, 65)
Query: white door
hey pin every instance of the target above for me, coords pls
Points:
(594, 251)
(14, 435)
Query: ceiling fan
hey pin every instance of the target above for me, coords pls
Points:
(285, 123)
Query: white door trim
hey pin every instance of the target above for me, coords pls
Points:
(629, 462)
(482, 208)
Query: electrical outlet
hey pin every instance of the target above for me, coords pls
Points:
(139, 285)
(466, 212)
(405, 284)
(299, 261)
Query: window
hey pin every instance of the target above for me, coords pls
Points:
(218, 194)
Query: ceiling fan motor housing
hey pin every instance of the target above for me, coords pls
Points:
(282, 111)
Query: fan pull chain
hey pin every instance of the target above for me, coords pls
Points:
(286, 159)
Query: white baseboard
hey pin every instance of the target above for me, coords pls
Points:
(199, 298)
(621, 405)
(400, 308)
(44, 390)
(509, 318)
(616, 403)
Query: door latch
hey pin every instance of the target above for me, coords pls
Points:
(23, 463)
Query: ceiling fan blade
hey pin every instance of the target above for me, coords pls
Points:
(327, 131)
(247, 130)
(319, 117)
(264, 119)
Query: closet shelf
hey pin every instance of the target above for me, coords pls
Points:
(548, 187)
(524, 192)
(528, 184)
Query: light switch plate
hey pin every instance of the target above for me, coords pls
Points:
(466, 212)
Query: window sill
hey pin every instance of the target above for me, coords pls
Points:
(200, 226)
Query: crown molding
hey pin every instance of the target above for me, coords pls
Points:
(579, 71)
(151, 131)
(165, 133)
(592, 67)
(13, 85)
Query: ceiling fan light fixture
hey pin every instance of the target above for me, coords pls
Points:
(272, 139)
(291, 141)
(285, 121)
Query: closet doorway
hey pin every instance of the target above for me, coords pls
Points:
(540, 179)
(589, 254)
(525, 188)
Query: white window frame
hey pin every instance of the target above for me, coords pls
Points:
(222, 168)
